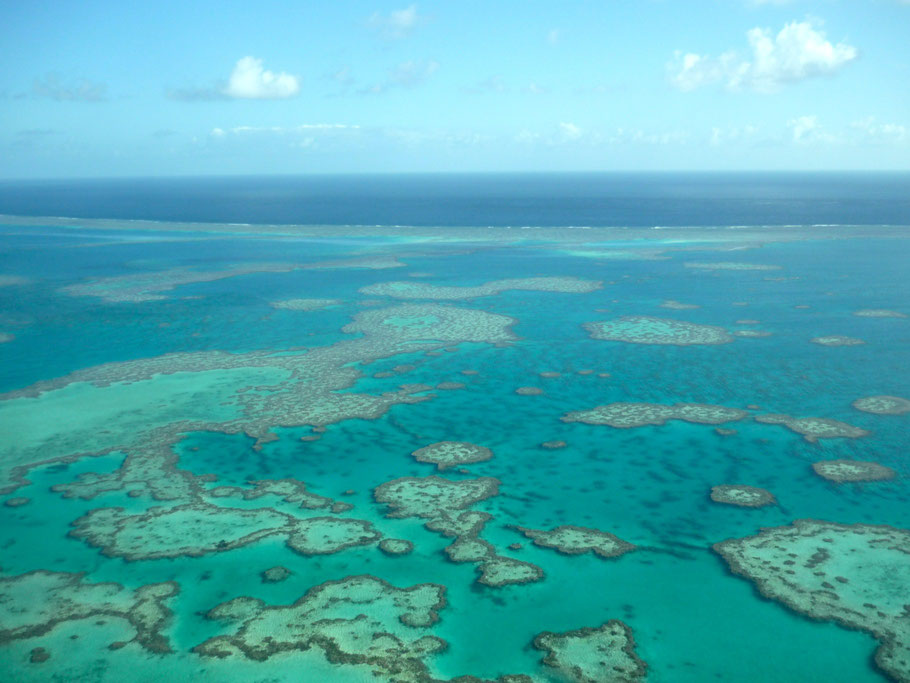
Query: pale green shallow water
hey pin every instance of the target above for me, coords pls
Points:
(692, 620)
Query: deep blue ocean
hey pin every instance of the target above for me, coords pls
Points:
(565, 199)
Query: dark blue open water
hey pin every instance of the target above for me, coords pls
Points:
(580, 199)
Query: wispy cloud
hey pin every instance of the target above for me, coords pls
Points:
(807, 130)
(799, 51)
(52, 87)
(883, 133)
(397, 24)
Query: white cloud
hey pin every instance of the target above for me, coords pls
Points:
(396, 24)
(249, 80)
(799, 51)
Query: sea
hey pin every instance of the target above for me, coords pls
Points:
(204, 379)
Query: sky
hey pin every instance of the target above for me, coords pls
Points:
(108, 88)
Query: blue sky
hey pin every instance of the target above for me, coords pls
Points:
(171, 88)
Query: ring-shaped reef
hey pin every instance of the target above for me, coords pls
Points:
(856, 575)
(644, 329)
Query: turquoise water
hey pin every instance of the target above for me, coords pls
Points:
(692, 619)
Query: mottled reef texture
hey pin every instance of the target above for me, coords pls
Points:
(643, 329)
(32, 604)
(729, 265)
(306, 304)
(883, 405)
(879, 313)
(742, 495)
(814, 428)
(446, 454)
(857, 575)
(593, 655)
(577, 540)
(629, 415)
(251, 393)
(196, 529)
(442, 503)
(837, 340)
(852, 470)
(420, 290)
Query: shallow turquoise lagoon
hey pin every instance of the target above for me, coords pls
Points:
(175, 425)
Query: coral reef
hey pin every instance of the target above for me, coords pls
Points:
(856, 575)
(420, 290)
(577, 540)
(446, 454)
(883, 405)
(879, 313)
(356, 620)
(629, 415)
(306, 304)
(852, 470)
(442, 503)
(814, 428)
(396, 546)
(195, 529)
(148, 286)
(643, 329)
(742, 495)
(32, 604)
(593, 655)
(837, 340)
(275, 574)
(729, 265)
(674, 305)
